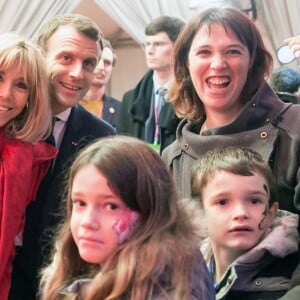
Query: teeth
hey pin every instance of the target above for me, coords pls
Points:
(71, 87)
(218, 80)
(2, 108)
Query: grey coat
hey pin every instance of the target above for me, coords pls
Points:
(266, 125)
(265, 271)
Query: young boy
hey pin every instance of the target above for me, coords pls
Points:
(252, 248)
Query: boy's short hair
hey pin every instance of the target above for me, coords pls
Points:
(239, 161)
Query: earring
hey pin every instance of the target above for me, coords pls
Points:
(26, 105)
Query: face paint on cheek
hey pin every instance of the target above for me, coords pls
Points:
(261, 225)
(126, 224)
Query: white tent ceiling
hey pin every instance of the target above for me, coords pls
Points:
(123, 21)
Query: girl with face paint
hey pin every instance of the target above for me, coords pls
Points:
(248, 237)
(126, 235)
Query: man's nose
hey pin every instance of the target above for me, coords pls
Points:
(76, 70)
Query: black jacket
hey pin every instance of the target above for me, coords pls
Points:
(111, 109)
(134, 112)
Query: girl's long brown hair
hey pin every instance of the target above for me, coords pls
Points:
(164, 244)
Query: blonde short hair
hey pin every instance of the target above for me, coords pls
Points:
(34, 122)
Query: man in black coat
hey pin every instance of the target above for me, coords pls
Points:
(71, 43)
(138, 114)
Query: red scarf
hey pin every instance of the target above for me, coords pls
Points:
(22, 167)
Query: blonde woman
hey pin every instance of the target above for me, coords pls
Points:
(25, 119)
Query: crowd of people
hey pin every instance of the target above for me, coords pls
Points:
(188, 188)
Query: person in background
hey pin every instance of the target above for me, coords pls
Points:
(252, 249)
(285, 81)
(125, 235)
(145, 110)
(71, 45)
(25, 120)
(96, 101)
(220, 65)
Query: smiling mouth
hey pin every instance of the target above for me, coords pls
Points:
(220, 82)
(70, 87)
(3, 108)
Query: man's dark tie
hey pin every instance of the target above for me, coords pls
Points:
(161, 99)
(51, 140)
(160, 103)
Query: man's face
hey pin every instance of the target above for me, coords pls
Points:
(159, 51)
(71, 60)
(104, 68)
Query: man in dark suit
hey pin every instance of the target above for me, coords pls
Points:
(96, 101)
(71, 43)
(139, 115)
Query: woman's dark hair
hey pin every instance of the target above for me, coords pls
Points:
(183, 94)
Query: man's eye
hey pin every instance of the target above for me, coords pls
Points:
(66, 57)
(159, 44)
(90, 65)
(107, 63)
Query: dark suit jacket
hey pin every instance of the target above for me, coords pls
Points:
(111, 109)
(134, 112)
(43, 215)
